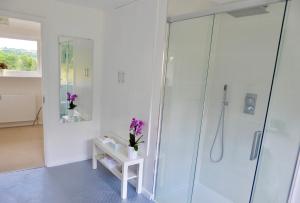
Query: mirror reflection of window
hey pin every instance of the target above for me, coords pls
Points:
(67, 66)
(75, 79)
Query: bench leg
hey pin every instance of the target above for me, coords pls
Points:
(124, 181)
(140, 179)
(94, 157)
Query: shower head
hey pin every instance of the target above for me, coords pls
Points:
(249, 12)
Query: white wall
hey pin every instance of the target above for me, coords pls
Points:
(16, 85)
(129, 49)
(18, 28)
(134, 45)
(64, 143)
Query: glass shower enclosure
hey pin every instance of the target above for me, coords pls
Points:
(217, 88)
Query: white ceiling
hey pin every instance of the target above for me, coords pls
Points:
(17, 28)
(15, 23)
(106, 4)
(175, 7)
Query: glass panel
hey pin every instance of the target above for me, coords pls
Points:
(244, 48)
(281, 140)
(188, 56)
(75, 79)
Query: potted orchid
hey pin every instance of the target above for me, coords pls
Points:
(71, 99)
(3, 67)
(135, 135)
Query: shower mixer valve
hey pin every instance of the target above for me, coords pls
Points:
(250, 103)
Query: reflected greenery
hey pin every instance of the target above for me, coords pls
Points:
(67, 63)
(19, 59)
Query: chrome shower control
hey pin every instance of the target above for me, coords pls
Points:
(250, 103)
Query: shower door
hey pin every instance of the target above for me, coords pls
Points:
(212, 122)
(188, 56)
(243, 56)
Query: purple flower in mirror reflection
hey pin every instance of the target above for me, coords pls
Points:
(71, 98)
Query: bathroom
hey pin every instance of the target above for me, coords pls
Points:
(216, 83)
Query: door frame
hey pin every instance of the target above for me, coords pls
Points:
(41, 54)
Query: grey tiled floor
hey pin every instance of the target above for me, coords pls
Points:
(72, 183)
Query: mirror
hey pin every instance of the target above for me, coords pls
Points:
(76, 65)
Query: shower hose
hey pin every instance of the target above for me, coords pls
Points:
(219, 131)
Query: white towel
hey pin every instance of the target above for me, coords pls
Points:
(109, 162)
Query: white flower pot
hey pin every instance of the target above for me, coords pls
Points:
(132, 154)
(70, 113)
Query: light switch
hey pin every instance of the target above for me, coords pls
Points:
(121, 77)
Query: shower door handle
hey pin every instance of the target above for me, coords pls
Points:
(255, 145)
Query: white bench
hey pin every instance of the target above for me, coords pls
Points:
(124, 172)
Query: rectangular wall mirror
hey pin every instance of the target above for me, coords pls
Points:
(76, 65)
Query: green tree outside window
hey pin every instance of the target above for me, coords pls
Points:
(17, 56)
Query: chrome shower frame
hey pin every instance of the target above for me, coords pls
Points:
(229, 7)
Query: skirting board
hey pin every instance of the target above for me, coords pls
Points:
(147, 194)
(64, 162)
(17, 124)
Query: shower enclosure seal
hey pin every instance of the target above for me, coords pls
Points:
(161, 108)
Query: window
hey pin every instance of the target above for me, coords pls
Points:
(19, 55)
